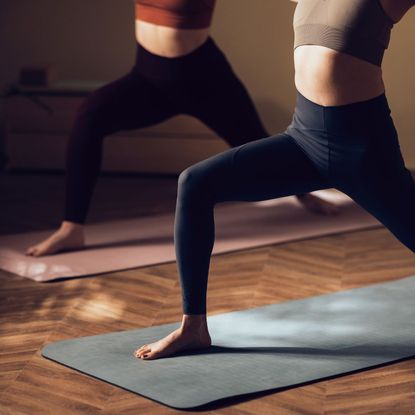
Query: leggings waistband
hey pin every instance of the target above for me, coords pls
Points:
(204, 60)
(376, 102)
(350, 118)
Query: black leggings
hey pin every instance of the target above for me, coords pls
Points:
(353, 148)
(201, 84)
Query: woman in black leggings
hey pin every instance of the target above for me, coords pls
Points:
(178, 70)
(341, 136)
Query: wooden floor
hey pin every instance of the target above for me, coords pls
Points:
(34, 314)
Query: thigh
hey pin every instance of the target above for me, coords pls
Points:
(225, 106)
(128, 103)
(388, 193)
(263, 169)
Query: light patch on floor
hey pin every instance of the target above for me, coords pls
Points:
(101, 307)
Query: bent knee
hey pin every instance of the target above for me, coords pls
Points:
(91, 110)
(193, 184)
(189, 179)
(93, 118)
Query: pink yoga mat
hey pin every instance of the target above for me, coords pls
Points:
(144, 241)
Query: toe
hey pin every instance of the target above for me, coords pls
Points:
(144, 351)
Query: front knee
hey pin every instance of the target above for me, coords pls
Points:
(89, 113)
(93, 117)
(192, 185)
(188, 180)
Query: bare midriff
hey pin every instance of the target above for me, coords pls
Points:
(331, 78)
(169, 42)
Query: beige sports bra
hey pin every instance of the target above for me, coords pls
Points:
(360, 28)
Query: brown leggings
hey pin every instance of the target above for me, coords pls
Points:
(201, 84)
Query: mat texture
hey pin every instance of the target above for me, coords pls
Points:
(260, 349)
(144, 241)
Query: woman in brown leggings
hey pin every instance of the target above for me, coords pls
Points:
(179, 70)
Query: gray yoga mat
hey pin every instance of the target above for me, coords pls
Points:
(260, 349)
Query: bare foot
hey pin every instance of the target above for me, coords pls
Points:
(193, 334)
(70, 236)
(318, 205)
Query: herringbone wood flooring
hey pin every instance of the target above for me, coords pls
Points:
(33, 314)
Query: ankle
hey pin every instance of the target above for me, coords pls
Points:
(194, 321)
(71, 227)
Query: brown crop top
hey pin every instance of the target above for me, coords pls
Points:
(360, 28)
(180, 14)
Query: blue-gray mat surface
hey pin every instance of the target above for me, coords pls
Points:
(260, 349)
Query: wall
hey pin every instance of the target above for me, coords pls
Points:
(94, 39)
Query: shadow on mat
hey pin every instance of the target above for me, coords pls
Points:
(351, 351)
(233, 400)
